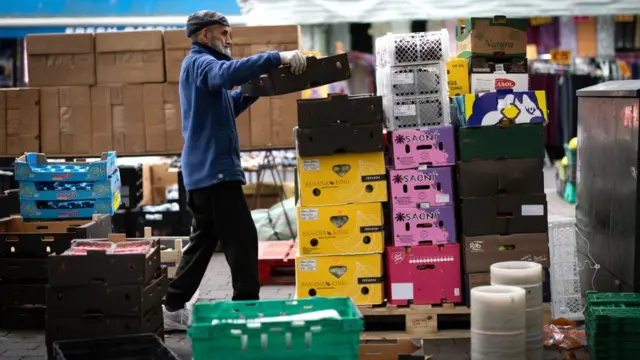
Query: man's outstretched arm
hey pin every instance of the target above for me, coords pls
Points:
(215, 74)
(241, 102)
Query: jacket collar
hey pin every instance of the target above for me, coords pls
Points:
(199, 48)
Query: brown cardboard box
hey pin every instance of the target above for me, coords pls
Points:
(121, 106)
(19, 121)
(176, 46)
(129, 57)
(61, 59)
(489, 37)
(272, 121)
(156, 178)
(65, 120)
(480, 252)
(386, 349)
(163, 127)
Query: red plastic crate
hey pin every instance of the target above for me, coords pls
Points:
(276, 262)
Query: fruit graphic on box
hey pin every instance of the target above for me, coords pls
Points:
(430, 147)
(340, 229)
(425, 189)
(413, 227)
(342, 179)
(356, 276)
(427, 274)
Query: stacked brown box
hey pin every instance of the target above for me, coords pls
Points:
(270, 121)
(108, 92)
(129, 57)
(61, 59)
(19, 121)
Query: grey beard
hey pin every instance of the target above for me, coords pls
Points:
(222, 49)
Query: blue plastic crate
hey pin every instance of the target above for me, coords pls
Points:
(69, 209)
(36, 167)
(62, 190)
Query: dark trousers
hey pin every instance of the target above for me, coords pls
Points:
(220, 214)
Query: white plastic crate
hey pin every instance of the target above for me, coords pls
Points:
(412, 81)
(566, 298)
(412, 49)
(418, 112)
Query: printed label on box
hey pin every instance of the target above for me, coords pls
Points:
(309, 214)
(308, 265)
(402, 78)
(311, 165)
(532, 210)
(404, 110)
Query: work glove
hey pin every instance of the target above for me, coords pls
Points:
(296, 61)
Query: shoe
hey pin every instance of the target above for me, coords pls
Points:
(176, 320)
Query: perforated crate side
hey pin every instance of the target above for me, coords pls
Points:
(419, 112)
(412, 81)
(412, 48)
(566, 297)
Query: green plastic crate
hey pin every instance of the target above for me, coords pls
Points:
(596, 298)
(264, 330)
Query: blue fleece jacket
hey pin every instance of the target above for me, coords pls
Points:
(211, 152)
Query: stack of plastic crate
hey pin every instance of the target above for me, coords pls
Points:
(64, 190)
(566, 298)
(613, 325)
(411, 76)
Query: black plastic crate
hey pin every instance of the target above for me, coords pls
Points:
(20, 293)
(20, 238)
(97, 266)
(87, 327)
(10, 203)
(22, 317)
(106, 300)
(166, 223)
(24, 269)
(132, 185)
(133, 347)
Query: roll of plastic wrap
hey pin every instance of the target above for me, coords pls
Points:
(528, 276)
(498, 323)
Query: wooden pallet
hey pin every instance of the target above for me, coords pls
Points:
(390, 322)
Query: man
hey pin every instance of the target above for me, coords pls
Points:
(213, 175)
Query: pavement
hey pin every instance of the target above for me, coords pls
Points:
(217, 286)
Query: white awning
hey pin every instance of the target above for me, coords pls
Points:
(307, 12)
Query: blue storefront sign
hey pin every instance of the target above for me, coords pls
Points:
(17, 19)
(98, 8)
(20, 32)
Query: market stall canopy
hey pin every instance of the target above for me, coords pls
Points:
(279, 12)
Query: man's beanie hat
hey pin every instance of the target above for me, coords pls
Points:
(202, 19)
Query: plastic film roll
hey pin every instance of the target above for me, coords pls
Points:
(498, 323)
(527, 276)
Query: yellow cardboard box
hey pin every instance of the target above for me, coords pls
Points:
(342, 179)
(341, 229)
(356, 276)
(458, 76)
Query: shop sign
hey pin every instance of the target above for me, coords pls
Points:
(562, 57)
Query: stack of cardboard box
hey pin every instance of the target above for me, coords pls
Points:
(500, 182)
(119, 91)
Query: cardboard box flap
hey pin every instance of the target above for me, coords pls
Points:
(139, 40)
(386, 349)
(59, 44)
(177, 40)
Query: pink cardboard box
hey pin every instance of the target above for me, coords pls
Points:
(430, 147)
(424, 189)
(428, 274)
(412, 227)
